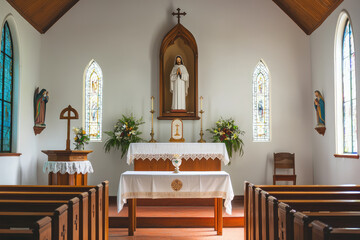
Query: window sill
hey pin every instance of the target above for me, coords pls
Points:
(10, 154)
(353, 156)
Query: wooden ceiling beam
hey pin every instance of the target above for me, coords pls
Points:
(42, 14)
(308, 14)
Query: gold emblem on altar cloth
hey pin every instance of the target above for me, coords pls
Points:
(176, 185)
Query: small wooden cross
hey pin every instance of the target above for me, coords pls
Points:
(63, 233)
(178, 14)
(69, 110)
(76, 222)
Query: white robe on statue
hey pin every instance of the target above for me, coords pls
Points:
(179, 85)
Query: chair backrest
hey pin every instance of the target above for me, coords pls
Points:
(284, 160)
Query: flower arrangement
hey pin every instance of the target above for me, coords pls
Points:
(80, 138)
(227, 132)
(126, 131)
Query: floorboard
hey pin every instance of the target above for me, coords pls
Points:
(176, 234)
(176, 216)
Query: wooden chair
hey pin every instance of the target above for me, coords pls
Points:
(284, 161)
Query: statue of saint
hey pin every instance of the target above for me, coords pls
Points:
(319, 105)
(40, 100)
(179, 85)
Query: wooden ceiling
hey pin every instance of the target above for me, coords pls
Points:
(42, 14)
(308, 14)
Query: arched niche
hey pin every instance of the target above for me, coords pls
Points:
(179, 41)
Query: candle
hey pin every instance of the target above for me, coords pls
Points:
(152, 103)
(201, 103)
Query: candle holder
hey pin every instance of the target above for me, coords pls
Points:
(201, 128)
(152, 127)
(152, 121)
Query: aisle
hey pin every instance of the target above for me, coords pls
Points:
(177, 234)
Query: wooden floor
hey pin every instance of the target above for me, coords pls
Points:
(150, 217)
(176, 216)
(176, 233)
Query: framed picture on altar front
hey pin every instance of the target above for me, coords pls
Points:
(177, 131)
(178, 88)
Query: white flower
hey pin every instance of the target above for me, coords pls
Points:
(75, 130)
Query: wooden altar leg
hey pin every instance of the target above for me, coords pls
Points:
(50, 178)
(131, 216)
(134, 206)
(219, 216)
(215, 214)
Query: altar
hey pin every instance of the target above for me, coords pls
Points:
(195, 156)
(153, 177)
(163, 184)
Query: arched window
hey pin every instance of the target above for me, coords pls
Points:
(345, 86)
(261, 103)
(6, 89)
(93, 101)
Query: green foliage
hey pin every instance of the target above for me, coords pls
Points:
(227, 132)
(80, 138)
(126, 131)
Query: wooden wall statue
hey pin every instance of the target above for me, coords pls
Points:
(40, 100)
(178, 42)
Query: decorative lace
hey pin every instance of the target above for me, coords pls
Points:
(170, 156)
(68, 167)
(187, 151)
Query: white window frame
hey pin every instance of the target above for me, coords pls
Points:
(338, 71)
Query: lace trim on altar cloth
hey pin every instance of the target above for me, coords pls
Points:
(78, 167)
(170, 156)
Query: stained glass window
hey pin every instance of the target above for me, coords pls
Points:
(261, 103)
(349, 90)
(93, 101)
(6, 88)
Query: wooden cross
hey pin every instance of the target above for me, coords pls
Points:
(69, 110)
(76, 222)
(63, 233)
(178, 14)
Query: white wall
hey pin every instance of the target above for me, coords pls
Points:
(124, 37)
(26, 74)
(327, 168)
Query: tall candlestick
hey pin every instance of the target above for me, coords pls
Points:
(152, 103)
(201, 120)
(152, 120)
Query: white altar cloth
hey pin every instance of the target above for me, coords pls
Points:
(185, 150)
(158, 184)
(70, 167)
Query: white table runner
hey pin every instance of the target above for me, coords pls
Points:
(70, 167)
(161, 184)
(185, 150)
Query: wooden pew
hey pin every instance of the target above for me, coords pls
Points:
(262, 204)
(74, 232)
(88, 209)
(59, 221)
(74, 205)
(251, 211)
(246, 216)
(252, 227)
(286, 211)
(102, 200)
(302, 220)
(321, 231)
(40, 230)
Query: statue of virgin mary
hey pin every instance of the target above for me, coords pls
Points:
(179, 85)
